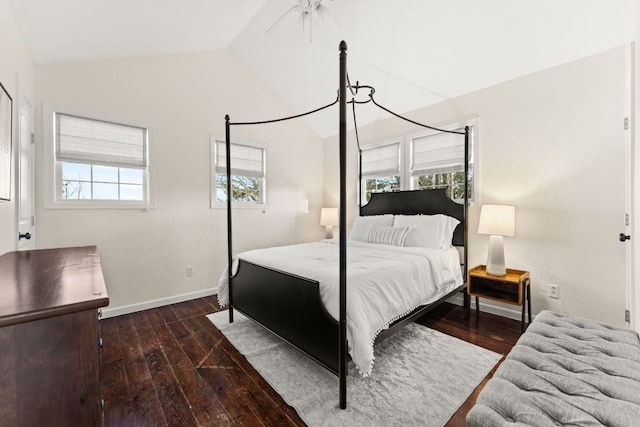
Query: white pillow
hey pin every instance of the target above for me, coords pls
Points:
(362, 225)
(387, 235)
(450, 224)
(430, 231)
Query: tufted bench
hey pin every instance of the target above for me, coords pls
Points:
(565, 371)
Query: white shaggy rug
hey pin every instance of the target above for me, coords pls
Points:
(420, 376)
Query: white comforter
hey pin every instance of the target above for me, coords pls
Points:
(383, 283)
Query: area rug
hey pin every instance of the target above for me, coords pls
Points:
(420, 376)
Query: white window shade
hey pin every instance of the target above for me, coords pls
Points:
(437, 153)
(382, 160)
(82, 140)
(245, 160)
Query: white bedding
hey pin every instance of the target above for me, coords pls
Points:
(384, 283)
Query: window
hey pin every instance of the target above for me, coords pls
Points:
(424, 160)
(96, 182)
(380, 169)
(97, 163)
(248, 173)
(437, 161)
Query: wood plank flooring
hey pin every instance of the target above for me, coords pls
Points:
(171, 367)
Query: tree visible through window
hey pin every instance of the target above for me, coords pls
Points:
(97, 182)
(452, 181)
(381, 184)
(244, 189)
(248, 173)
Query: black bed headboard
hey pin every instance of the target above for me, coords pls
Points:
(426, 202)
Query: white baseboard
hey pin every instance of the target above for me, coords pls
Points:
(487, 307)
(127, 309)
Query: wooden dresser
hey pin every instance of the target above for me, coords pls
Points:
(50, 337)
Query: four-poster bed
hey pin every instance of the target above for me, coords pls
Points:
(291, 305)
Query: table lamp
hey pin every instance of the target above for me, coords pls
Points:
(329, 218)
(497, 221)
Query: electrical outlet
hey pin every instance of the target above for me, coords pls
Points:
(554, 291)
(190, 271)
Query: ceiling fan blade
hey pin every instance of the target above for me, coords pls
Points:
(323, 13)
(291, 9)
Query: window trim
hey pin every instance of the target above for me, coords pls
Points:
(409, 182)
(53, 167)
(215, 204)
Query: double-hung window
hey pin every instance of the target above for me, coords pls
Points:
(97, 163)
(380, 168)
(429, 159)
(437, 161)
(248, 173)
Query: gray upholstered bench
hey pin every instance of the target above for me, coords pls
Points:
(565, 371)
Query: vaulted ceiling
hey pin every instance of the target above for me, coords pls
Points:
(415, 52)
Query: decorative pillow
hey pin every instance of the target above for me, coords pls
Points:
(430, 231)
(423, 238)
(362, 225)
(387, 235)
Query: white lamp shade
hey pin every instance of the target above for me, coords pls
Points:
(329, 216)
(497, 220)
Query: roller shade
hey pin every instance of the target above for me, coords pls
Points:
(382, 160)
(246, 160)
(437, 153)
(82, 140)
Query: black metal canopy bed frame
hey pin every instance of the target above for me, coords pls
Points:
(289, 305)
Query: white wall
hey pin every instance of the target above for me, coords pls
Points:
(635, 292)
(545, 144)
(15, 65)
(182, 99)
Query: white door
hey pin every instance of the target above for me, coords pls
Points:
(25, 203)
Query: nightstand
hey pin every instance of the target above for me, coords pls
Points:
(514, 288)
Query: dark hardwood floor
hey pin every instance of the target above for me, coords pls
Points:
(171, 367)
